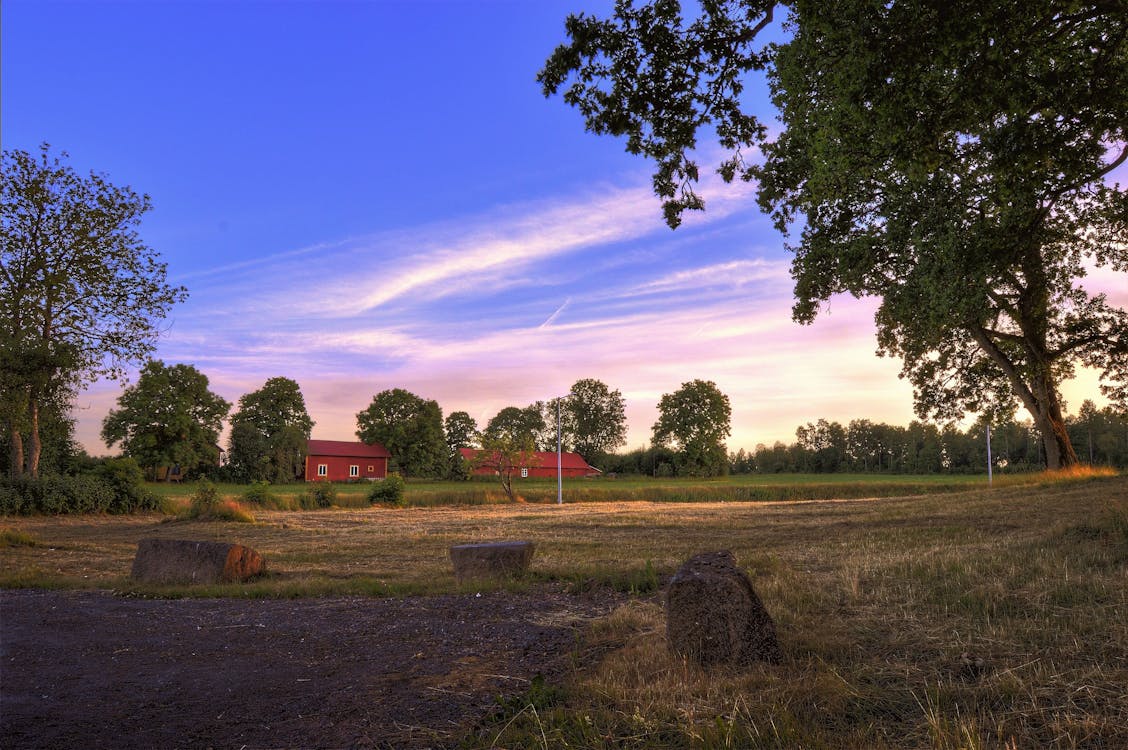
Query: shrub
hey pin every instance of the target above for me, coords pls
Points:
(259, 493)
(127, 480)
(389, 490)
(206, 505)
(319, 495)
(54, 495)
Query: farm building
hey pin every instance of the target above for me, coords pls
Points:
(345, 461)
(542, 465)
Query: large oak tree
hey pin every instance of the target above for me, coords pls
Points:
(270, 432)
(410, 427)
(951, 158)
(695, 421)
(81, 295)
(168, 417)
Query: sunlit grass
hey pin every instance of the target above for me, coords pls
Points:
(738, 488)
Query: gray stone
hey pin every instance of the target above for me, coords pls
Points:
(713, 615)
(493, 560)
(186, 561)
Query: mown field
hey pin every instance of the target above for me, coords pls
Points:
(973, 618)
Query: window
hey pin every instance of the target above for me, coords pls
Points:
(524, 473)
(354, 471)
(370, 468)
(323, 470)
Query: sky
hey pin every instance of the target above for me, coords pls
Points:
(372, 195)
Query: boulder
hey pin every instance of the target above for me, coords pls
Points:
(185, 561)
(713, 615)
(493, 560)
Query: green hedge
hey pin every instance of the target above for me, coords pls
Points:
(113, 487)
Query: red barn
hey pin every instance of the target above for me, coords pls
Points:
(543, 465)
(344, 461)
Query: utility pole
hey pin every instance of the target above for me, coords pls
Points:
(559, 460)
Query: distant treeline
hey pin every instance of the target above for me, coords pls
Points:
(1100, 437)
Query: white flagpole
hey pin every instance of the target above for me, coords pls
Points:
(990, 477)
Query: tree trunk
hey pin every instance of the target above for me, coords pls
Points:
(1041, 399)
(1051, 424)
(35, 446)
(16, 456)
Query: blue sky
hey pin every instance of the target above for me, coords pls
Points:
(366, 195)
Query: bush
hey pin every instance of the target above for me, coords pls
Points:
(113, 485)
(319, 495)
(206, 505)
(205, 499)
(389, 490)
(55, 495)
(127, 480)
(259, 493)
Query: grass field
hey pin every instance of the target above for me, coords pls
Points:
(980, 618)
(748, 487)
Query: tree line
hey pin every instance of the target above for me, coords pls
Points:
(170, 419)
(862, 446)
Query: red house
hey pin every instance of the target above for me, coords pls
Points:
(344, 461)
(544, 465)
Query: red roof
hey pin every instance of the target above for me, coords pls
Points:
(544, 459)
(346, 448)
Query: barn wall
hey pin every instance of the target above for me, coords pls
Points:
(338, 468)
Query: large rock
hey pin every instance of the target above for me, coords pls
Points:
(714, 616)
(493, 560)
(185, 561)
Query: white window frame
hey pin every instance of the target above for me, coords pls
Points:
(323, 470)
(524, 473)
(354, 471)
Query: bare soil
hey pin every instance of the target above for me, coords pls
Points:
(83, 669)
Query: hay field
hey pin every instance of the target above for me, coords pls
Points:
(975, 619)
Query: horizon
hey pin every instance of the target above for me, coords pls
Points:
(363, 196)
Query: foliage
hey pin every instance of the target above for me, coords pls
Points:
(505, 454)
(59, 453)
(168, 418)
(949, 158)
(269, 433)
(54, 495)
(207, 505)
(319, 495)
(522, 427)
(460, 431)
(410, 427)
(388, 490)
(694, 421)
(80, 294)
(595, 419)
(866, 446)
(259, 494)
(127, 481)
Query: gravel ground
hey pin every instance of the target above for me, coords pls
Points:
(94, 670)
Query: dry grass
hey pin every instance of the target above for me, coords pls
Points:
(981, 619)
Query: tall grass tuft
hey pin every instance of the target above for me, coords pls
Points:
(16, 538)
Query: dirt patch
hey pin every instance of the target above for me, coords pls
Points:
(94, 670)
